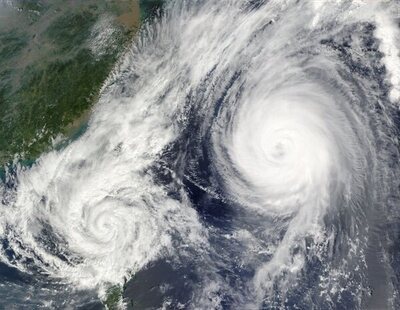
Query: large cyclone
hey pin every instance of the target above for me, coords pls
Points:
(251, 145)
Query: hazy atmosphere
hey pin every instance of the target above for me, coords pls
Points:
(203, 154)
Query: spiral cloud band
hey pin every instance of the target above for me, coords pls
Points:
(251, 145)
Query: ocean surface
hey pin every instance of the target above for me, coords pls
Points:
(243, 155)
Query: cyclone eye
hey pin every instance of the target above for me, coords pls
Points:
(279, 151)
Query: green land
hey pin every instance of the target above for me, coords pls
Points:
(54, 57)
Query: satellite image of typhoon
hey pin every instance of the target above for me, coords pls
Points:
(200, 154)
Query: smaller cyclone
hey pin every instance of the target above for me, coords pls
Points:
(91, 214)
(98, 237)
(111, 234)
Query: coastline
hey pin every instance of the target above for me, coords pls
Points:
(51, 81)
